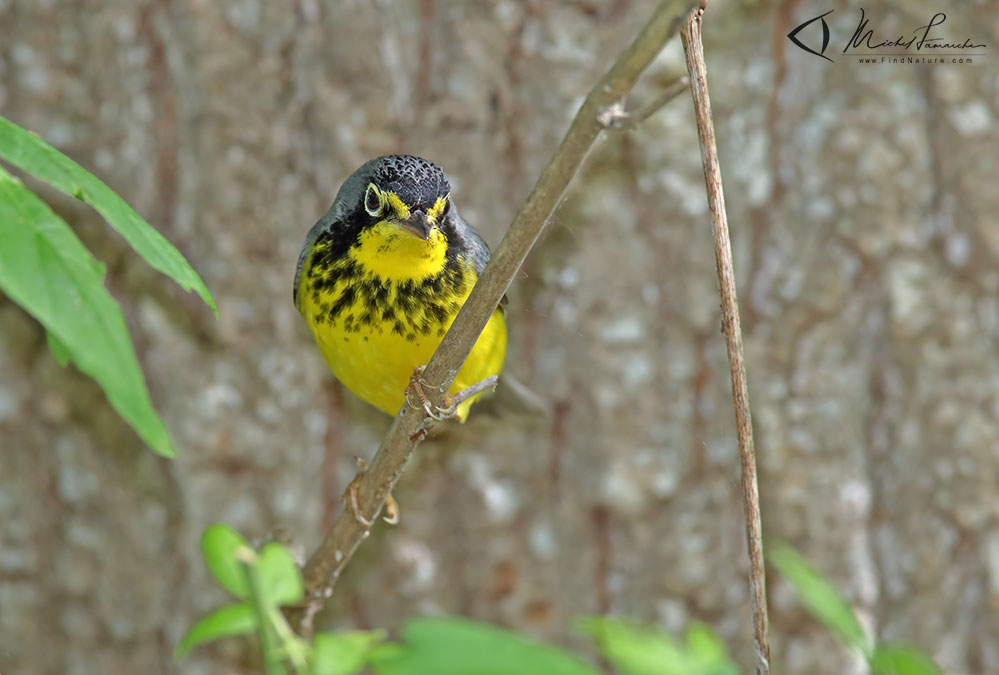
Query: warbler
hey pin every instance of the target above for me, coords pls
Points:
(382, 276)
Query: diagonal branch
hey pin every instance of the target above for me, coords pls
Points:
(409, 426)
(617, 117)
(691, 35)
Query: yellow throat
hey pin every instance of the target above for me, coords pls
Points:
(380, 310)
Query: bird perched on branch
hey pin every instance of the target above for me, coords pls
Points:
(382, 276)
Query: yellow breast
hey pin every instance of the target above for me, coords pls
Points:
(380, 310)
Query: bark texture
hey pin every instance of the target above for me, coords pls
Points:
(862, 202)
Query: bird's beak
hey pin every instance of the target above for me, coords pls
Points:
(417, 224)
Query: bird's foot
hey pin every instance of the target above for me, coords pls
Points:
(451, 402)
(416, 388)
(350, 500)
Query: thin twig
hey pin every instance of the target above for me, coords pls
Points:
(477, 388)
(691, 36)
(616, 117)
(327, 563)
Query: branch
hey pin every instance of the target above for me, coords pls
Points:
(691, 36)
(617, 117)
(410, 424)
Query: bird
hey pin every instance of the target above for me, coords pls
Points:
(382, 275)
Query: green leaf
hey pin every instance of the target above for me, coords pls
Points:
(48, 271)
(901, 660)
(453, 646)
(219, 544)
(634, 649)
(58, 349)
(706, 647)
(342, 653)
(641, 650)
(33, 155)
(280, 578)
(224, 622)
(820, 598)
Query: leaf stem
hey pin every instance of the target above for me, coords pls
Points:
(271, 655)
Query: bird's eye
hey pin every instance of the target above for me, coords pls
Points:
(447, 205)
(373, 202)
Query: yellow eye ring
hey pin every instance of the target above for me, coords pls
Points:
(374, 200)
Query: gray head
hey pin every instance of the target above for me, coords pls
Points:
(416, 182)
(410, 191)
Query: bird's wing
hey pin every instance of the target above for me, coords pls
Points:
(476, 249)
(310, 239)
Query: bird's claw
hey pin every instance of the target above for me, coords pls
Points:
(416, 387)
(349, 498)
(391, 510)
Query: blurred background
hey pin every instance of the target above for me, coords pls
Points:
(862, 200)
